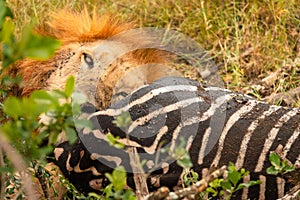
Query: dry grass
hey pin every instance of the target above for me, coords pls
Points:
(250, 40)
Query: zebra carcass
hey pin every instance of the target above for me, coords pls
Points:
(218, 126)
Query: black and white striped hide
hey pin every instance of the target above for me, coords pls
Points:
(218, 127)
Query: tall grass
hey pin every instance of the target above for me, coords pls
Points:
(248, 39)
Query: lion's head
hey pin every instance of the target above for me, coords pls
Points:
(80, 56)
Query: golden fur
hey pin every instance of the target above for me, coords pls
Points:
(75, 30)
(69, 26)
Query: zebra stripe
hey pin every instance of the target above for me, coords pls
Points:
(151, 94)
(181, 104)
(219, 126)
(151, 149)
(203, 145)
(246, 180)
(271, 137)
(189, 143)
(232, 120)
(280, 186)
(196, 120)
(291, 141)
(262, 187)
(242, 153)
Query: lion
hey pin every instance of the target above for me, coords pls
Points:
(80, 35)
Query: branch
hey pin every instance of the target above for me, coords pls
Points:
(190, 192)
(293, 194)
(138, 174)
(2, 176)
(289, 97)
(18, 163)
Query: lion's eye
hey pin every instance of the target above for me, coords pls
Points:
(88, 60)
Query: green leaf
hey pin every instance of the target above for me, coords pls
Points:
(43, 98)
(212, 191)
(83, 123)
(251, 183)
(226, 185)
(119, 175)
(7, 32)
(117, 178)
(274, 159)
(31, 109)
(247, 185)
(244, 172)
(271, 170)
(113, 141)
(71, 135)
(36, 46)
(13, 107)
(185, 162)
(31, 45)
(41, 94)
(288, 168)
(241, 186)
(70, 85)
(231, 167)
(234, 177)
(7, 39)
(44, 151)
(4, 12)
(58, 94)
(190, 177)
(129, 195)
(108, 189)
(216, 183)
(94, 195)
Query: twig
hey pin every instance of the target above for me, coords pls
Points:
(160, 194)
(19, 165)
(43, 182)
(293, 194)
(138, 174)
(190, 192)
(289, 97)
(2, 176)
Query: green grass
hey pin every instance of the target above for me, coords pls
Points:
(248, 39)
